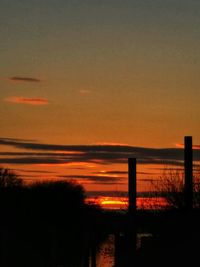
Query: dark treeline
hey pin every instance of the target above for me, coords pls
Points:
(45, 224)
(48, 224)
(174, 240)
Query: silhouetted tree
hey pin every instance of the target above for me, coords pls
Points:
(49, 221)
(9, 179)
(171, 187)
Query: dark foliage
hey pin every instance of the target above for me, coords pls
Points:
(171, 187)
(45, 224)
(9, 179)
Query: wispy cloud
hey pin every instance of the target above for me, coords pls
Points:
(117, 173)
(24, 79)
(85, 92)
(34, 171)
(110, 144)
(115, 193)
(111, 172)
(193, 146)
(27, 100)
(31, 153)
(94, 178)
(39, 153)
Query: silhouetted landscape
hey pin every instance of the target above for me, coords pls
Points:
(95, 99)
(45, 224)
(49, 223)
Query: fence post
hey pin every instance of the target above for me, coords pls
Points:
(188, 164)
(93, 254)
(132, 190)
(132, 209)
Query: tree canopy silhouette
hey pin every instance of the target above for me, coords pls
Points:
(44, 223)
(9, 179)
(171, 187)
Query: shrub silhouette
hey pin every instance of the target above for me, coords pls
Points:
(44, 224)
(171, 187)
(9, 179)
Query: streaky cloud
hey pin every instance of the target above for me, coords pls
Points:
(24, 79)
(122, 172)
(29, 160)
(27, 100)
(94, 178)
(85, 92)
(39, 153)
(117, 194)
(34, 171)
(149, 180)
(193, 146)
(112, 172)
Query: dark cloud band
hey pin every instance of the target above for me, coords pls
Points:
(39, 153)
(24, 79)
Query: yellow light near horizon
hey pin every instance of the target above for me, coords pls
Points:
(122, 202)
(112, 201)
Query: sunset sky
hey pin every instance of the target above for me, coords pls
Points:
(85, 84)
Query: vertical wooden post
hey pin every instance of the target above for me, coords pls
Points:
(86, 259)
(188, 162)
(93, 250)
(93, 256)
(119, 259)
(132, 190)
(132, 208)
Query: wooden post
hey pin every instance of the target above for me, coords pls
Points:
(93, 250)
(86, 259)
(132, 208)
(188, 162)
(119, 260)
(132, 191)
(93, 256)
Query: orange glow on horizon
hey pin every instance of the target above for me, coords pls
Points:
(110, 202)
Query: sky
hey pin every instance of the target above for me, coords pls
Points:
(86, 84)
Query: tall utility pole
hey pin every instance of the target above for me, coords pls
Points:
(188, 163)
(132, 209)
(132, 186)
(125, 242)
